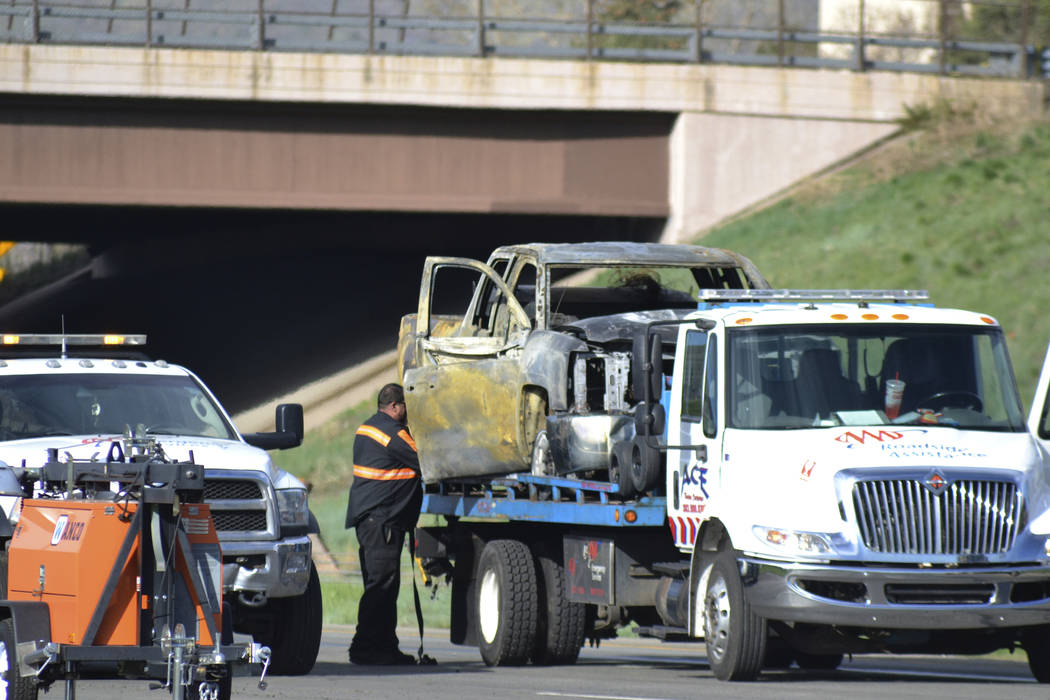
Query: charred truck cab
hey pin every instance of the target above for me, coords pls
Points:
(836, 472)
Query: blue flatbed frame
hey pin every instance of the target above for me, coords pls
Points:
(543, 499)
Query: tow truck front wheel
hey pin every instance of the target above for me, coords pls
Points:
(735, 636)
(506, 603)
(12, 685)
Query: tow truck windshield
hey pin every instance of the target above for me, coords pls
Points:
(107, 404)
(787, 377)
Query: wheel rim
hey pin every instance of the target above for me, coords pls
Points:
(488, 606)
(717, 612)
(3, 670)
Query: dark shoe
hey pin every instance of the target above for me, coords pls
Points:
(382, 658)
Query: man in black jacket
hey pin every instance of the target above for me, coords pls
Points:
(384, 505)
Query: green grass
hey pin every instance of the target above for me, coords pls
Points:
(962, 213)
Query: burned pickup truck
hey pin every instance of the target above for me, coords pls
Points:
(532, 361)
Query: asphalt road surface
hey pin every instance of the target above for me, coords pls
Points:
(621, 669)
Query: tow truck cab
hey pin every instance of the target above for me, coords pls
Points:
(851, 472)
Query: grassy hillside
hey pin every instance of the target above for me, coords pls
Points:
(958, 208)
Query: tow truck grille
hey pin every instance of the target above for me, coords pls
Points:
(902, 516)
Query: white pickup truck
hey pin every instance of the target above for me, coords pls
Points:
(839, 472)
(81, 394)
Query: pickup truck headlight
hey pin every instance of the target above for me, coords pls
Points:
(793, 542)
(292, 506)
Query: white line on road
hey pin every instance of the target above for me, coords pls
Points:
(935, 674)
(597, 697)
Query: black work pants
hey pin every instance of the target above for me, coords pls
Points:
(380, 556)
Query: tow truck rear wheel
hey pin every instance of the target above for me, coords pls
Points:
(506, 603)
(296, 630)
(560, 623)
(735, 636)
(12, 685)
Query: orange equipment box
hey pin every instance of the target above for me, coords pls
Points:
(62, 553)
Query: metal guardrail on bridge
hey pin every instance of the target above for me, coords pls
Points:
(936, 37)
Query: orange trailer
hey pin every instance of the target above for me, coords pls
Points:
(118, 563)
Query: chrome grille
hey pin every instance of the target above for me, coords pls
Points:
(234, 489)
(902, 516)
(239, 520)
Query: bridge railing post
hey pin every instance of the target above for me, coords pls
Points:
(34, 23)
(859, 50)
(590, 29)
(371, 27)
(780, 32)
(1022, 48)
(260, 31)
(481, 29)
(149, 23)
(698, 38)
(942, 29)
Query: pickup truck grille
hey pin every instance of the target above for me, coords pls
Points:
(239, 505)
(902, 516)
(236, 489)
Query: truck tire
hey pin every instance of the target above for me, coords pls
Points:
(296, 630)
(620, 469)
(506, 603)
(560, 623)
(734, 635)
(12, 685)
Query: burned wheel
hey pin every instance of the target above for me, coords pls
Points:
(506, 603)
(735, 636)
(12, 685)
(645, 465)
(560, 623)
(620, 469)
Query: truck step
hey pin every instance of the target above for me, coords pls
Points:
(666, 633)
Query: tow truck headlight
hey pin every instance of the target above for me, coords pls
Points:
(292, 505)
(793, 542)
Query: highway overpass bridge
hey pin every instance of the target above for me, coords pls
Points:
(263, 215)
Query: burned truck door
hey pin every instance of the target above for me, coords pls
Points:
(464, 393)
(1039, 417)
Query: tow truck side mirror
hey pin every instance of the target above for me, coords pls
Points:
(288, 420)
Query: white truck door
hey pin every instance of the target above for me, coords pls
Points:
(694, 408)
(1039, 417)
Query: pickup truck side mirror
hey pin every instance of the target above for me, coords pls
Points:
(288, 420)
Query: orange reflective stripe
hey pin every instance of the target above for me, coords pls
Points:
(383, 474)
(403, 434)
(374, 433)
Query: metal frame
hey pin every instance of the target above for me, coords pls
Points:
(482, 35)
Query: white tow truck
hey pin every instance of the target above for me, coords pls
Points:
(841, 472)
(82, 395)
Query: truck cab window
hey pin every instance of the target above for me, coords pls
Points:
(693, 384)
(710, 406)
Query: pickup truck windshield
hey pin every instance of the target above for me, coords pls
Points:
(786, 377)
(106, 404)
